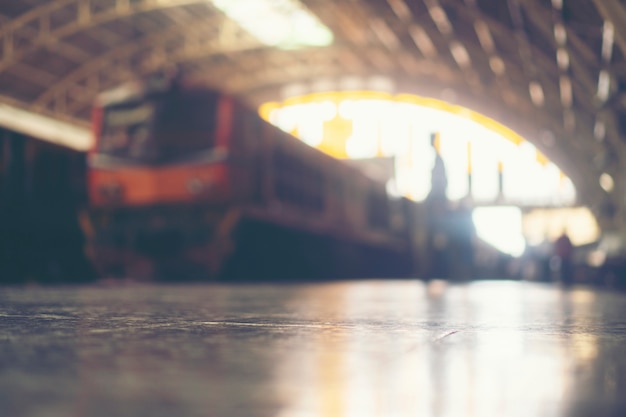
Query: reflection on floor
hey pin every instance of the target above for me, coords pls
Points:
(367, 348)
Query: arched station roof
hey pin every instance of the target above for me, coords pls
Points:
(552, 70)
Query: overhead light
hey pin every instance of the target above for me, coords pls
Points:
(599, 130)
(422, 41)
(497, 65)
(401, 10)
(45, 128)
(566, 91)
(604, 84)
(381, 83)
(608, 34)
(438, 15)
(459, 53)
(284, 24)
(536, 93)
(562, 58)
(560, 34)
(484, 36)
(606, 182)
(557, 4)
(384, 33)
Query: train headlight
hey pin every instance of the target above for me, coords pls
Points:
(195, 185)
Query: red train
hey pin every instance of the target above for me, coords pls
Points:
(184, 182)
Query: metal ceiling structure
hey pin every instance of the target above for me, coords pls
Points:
(552, 70)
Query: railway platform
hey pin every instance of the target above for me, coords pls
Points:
(353, 348)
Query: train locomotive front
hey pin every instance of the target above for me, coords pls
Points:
(159, 180)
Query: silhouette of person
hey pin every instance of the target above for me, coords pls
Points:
(437, 205)
(563, 250)
(439, 177)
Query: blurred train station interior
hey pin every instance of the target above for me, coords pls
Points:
(312, 208)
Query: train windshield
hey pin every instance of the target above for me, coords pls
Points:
(160, 128)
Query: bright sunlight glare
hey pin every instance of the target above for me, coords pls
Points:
(504, 167)
(282, 23)
(501, 227)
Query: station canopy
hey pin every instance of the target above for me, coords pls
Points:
(552, 70)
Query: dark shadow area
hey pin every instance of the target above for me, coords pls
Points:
(42, 191)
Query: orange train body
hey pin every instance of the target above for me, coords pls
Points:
(187, 176)
(145, 185)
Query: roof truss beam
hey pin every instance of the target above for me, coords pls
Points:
(614, 12)
(38, 20)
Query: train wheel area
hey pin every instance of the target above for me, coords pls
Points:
(273, 253)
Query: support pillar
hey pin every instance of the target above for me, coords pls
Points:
(13, 228)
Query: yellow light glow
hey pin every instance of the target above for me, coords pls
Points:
(541, 225)
(432, 103)
(369, 124)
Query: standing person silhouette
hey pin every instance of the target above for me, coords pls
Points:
(437, 205)
(439, 177)
(563, 250)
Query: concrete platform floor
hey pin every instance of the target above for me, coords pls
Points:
(365, 348)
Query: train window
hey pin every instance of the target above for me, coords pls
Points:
(298, 183)
(160, 127)
(126, 128)
(186, 122)
(378, 210)
(248, 131)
